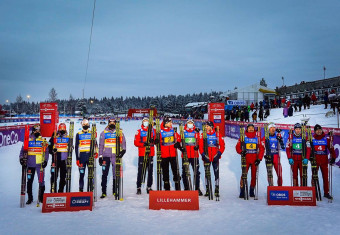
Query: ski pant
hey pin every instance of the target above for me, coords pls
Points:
(61, 167)
(324, 171)
(105, 171)
(278, 168)
(184, 176)
(149, 169)
(297, 167)
(165, 169)
(30, 178)
(216, 170)
(82, 174)
(253, 173)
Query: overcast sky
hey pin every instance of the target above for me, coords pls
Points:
(146, 47)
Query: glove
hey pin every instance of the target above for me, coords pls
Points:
(55, 150)
(146, 144)
(257, 162)
(196, 147)
(156, 141)
(152, 141)
(100, 160)
(197, 129)
(177, 145)
(78, 163)
(244, 152)
(217, 156)
(278, 136)
(22, 162)
(44, 164)
(291, 161)
(121, 154)
(305, 161)
(204, 158)
(332, 161)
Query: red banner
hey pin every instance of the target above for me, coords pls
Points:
(291, 196)
(173, 200)
(67, 202)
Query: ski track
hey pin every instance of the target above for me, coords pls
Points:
(229, 216)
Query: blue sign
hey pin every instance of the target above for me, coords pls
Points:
(47, 121)
(278, 195)
(80, 201)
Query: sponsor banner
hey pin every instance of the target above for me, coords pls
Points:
(8, 120)
(54, 202)
(173, 200)
(236, 102)
(291, 196)
(232, 130)
(11, 135)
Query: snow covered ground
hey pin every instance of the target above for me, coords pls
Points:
(230, 215)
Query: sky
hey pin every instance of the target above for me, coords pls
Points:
(158, 47)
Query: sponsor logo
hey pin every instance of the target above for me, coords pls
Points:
(303, 195)
(55, 202)
(11, 138)
(279, 195)
(80, 201)
(174, 200)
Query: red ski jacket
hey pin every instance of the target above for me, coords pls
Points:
(167, 141)
(321, 143)
(215, 144)
(140, 139)
(192, 139)
(251, 146)
(294, 148)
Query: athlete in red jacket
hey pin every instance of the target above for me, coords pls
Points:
(294, 153)
(169, 142)
(140, 142)
(191, 137)
(216, 148)
(254, 154)
(321, 143)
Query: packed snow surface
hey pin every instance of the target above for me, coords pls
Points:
(230, 215)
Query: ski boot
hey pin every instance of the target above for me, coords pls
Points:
(241, 192)
(199, 192)
(328, 196)
(178, 186)
(80, 190)
(166, 185)
(148, 189)
(103, 195)
(139, 191)
(251, 192)
(217, 193)
(30, 200)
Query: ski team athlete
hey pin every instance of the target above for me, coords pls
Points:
(216, 148)
(61, 149)
(169, 142)
(275, 140)
(107, 153)
(82, 149)
(192, 137)
(294, 153)
(34, 162)
(140, 142)
(321, 143)
(254, 154)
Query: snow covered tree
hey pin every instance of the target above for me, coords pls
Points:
(52, 96)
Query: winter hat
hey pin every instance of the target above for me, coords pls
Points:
(317, 127)
(111, 119)
(35, 127)
(166, 119)
(297, 125)
(85, 122)
(210, 123)
(190, 119)
(250, 124)
(271, 125)
(145, 118)
(62, 125)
